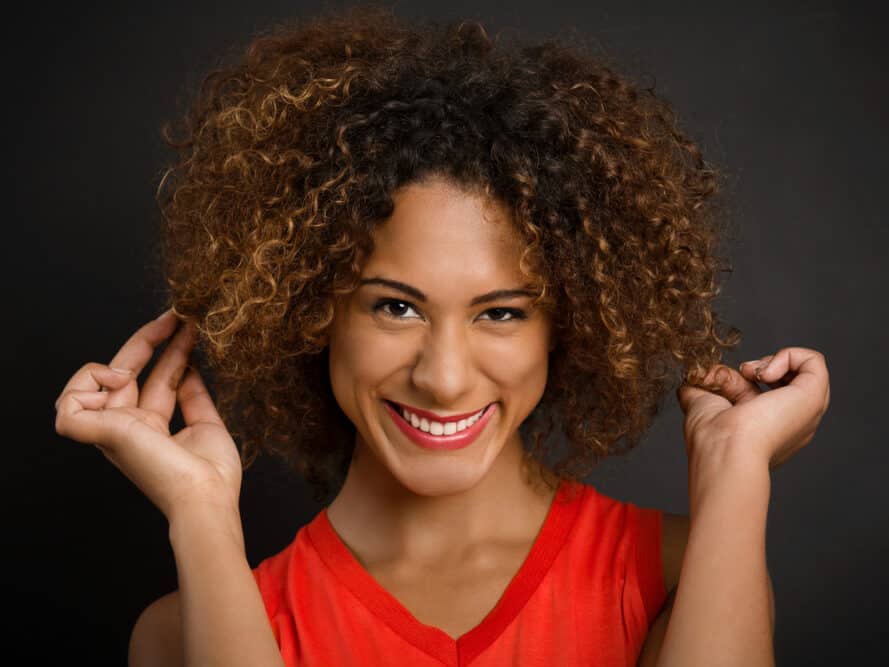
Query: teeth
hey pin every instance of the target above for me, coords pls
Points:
(440, 428)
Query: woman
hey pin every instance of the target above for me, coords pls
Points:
(410, 256)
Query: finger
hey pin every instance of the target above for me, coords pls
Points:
(750, 371)
(800, 366)
(686, 394)
(159, 391)
(78, 415)
(195, 401)
(137, 351)
(89, 400)
(148, 458)
(731, 384)
(93, 377)
(126, 439)
(695, 398)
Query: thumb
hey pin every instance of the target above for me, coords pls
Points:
(694, 399)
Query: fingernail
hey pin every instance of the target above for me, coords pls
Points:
(166, 314)
(746, 362)
(761, 368)
(122, 371)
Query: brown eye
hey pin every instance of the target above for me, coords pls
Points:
(393, 308)
(506, 314)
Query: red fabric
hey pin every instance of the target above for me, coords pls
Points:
(585, 595)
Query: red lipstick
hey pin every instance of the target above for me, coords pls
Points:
(434, 417)
(457, 440)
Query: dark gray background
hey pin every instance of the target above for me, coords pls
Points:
(790, 101)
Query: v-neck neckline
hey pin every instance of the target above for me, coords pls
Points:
(432, 640)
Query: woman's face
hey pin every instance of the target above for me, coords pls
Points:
(432, 345)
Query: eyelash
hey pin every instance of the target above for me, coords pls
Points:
(515, 314)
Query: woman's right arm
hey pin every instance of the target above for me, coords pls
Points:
(217, 617)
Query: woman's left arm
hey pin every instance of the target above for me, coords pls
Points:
(674, 539)
(722, 612)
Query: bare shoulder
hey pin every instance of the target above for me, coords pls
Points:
(674, 537)
(156, 638)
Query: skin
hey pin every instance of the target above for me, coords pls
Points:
(735, 433)
(401, 502)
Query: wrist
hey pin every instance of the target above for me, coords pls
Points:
(727, 472)
(195, 521)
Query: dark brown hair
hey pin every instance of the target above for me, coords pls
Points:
(288, 159)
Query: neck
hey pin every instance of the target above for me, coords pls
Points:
(381, 520)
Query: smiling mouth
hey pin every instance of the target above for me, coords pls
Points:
(437, 427)
(439, 436)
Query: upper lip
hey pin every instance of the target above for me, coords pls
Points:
(436, 417)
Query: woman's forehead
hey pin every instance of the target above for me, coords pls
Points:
(434, 218)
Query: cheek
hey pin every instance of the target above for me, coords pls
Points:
(519, 365)
(343, 362)
(364, 355)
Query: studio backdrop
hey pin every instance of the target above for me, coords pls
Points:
(788, 101)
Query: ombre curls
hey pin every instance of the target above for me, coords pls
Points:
(288, 159)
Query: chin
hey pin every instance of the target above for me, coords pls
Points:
(441, 480)
(442, 473)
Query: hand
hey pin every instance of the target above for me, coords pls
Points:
(732, 416)
(199, 464)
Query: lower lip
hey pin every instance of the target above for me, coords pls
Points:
(457, 440)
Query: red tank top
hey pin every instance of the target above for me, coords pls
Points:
(586, 594)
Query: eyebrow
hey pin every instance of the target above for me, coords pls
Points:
(419, 296)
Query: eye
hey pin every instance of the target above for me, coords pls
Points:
(513, 313)
(396, 309)
(392, 308)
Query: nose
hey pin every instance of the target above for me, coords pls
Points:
(445, 368)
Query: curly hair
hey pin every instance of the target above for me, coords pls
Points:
(288, 157)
